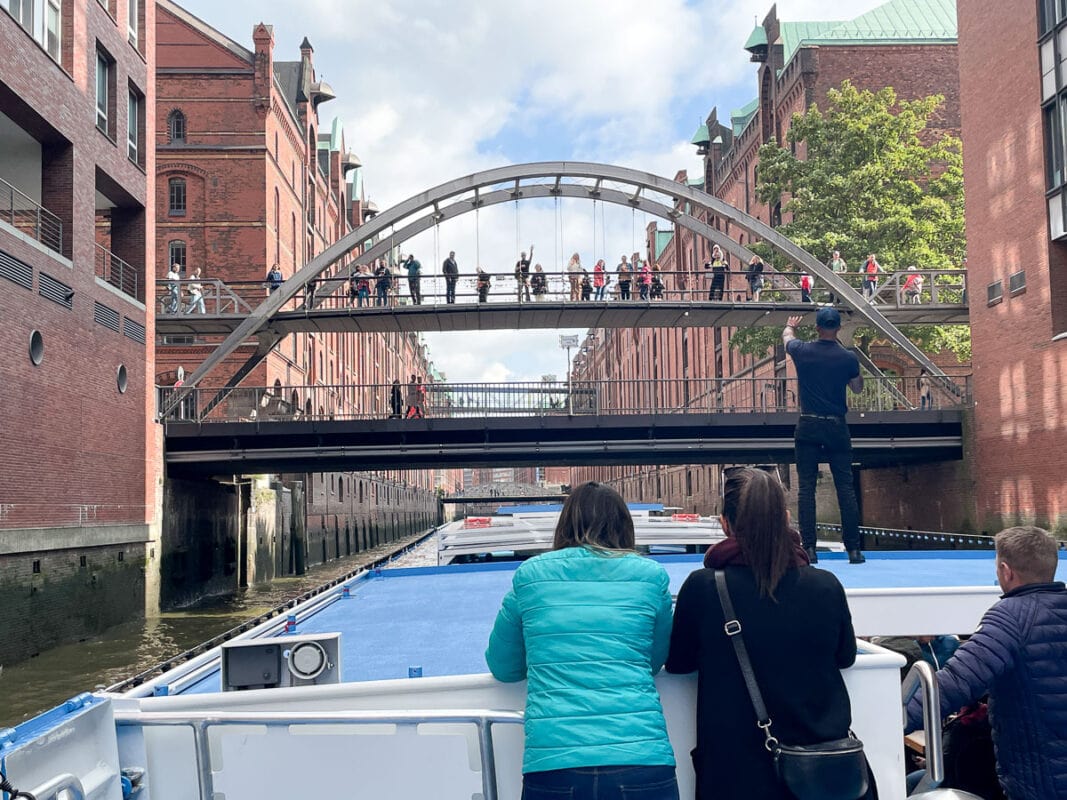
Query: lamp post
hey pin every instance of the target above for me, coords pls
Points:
(567, 342)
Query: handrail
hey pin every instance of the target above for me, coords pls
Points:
(30, 217)
(944, 288)
(120, 274)
(705, 395)
(921, 676)
(49, 790)
(201, 723)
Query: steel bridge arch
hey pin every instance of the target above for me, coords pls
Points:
(431, 201)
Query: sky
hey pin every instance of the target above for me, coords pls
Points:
(431, 90)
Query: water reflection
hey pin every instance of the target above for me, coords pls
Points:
(57, 675)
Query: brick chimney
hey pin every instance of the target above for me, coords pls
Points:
(263, 37)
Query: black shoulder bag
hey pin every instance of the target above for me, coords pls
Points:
(835, 770)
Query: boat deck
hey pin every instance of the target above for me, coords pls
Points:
(439, 618)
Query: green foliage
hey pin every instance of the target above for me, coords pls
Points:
(867, 183)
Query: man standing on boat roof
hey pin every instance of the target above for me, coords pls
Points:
(1019, 656)
(824, 368)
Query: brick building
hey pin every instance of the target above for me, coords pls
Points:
(905, 44)
(251, 174)
(79, 462)
(1015, 189)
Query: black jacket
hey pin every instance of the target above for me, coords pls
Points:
(798, 644)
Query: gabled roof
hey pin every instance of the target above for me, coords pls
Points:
(794, 34)
(701, 136)
(204, 29)
(287, 76)
(758, 38)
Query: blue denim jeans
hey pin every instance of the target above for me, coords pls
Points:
(601, 783)
(825, 440)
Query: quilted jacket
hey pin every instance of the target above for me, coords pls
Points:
(1019, 656)
(587, 631)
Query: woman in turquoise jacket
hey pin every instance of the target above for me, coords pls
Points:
(588, 625)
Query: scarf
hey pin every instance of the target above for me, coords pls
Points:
(728, 553)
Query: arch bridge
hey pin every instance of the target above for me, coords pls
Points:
(652, 194)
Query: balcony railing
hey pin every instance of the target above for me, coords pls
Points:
(118, 273)
(28, 217)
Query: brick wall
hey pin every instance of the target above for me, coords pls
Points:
(1020, 370)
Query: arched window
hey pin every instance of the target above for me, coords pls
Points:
(176, 197)
(176, 127)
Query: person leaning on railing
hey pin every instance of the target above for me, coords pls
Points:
(587, 626)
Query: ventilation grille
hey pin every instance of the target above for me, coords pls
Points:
(108, 317)
(16, 271)
(1017, 282)
(56, 291)
(995, 292)
(133, 330)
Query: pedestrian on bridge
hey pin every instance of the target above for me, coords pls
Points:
(450, 269)
(645, 280)
(396, 400)
(719, 268)
(839, 268)
(754, 275)
(484, 283)
(412, 399)
(173, 301)
(599, 280)
(870, 277)
(824, 368)
(414, 270)
(383, 282)
(275, 279)
(522, 275)
(574, 276)
(539, 283)
(623, 279)
(196, 293)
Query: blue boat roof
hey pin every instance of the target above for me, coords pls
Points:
(557, 507)
(402, 618)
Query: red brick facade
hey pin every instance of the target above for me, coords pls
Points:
(1019, 353)
(265, 183)
(730, 166)
(80, 455)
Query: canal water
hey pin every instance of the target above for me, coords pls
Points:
(42, 682)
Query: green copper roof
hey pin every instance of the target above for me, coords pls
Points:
(758, 38)
(898, 21)
(663, 238)
(701, 136)
(696, 182)
(794, 34)
(739, 119)
(337, 133)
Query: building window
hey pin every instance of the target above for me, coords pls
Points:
(176, 127)
(41, 19)
(133, 124)
(133, 21)
(176, 197)
(1052, 51)
(103, 85)
(176, 255)
(53, 21)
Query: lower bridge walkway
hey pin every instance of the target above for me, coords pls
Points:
(439, 425)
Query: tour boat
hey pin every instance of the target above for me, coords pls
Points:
(377, 687)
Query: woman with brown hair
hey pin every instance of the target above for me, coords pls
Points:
(798, 632)
(587, 626)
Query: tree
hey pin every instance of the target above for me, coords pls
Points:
(869, 182)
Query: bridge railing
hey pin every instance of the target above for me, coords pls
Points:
(535, 399)
(350, 291)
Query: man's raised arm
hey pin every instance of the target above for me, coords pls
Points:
(789, 333)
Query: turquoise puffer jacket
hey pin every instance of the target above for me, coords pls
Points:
(587, 630)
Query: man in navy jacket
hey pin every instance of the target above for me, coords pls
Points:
(1019, 656)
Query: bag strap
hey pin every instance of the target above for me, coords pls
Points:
(732, 627)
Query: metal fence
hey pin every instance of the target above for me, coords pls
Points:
(347, 290)
(23, 214)
(535, 399)
(117, 272)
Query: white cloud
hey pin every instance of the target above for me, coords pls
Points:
(430, 90)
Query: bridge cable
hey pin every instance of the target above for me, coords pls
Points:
(594, 231)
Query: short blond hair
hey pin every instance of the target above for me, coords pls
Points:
(1030, 551)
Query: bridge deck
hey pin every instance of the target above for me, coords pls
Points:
(546, 315)
(222, 448)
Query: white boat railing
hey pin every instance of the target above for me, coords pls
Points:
(201, 724)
